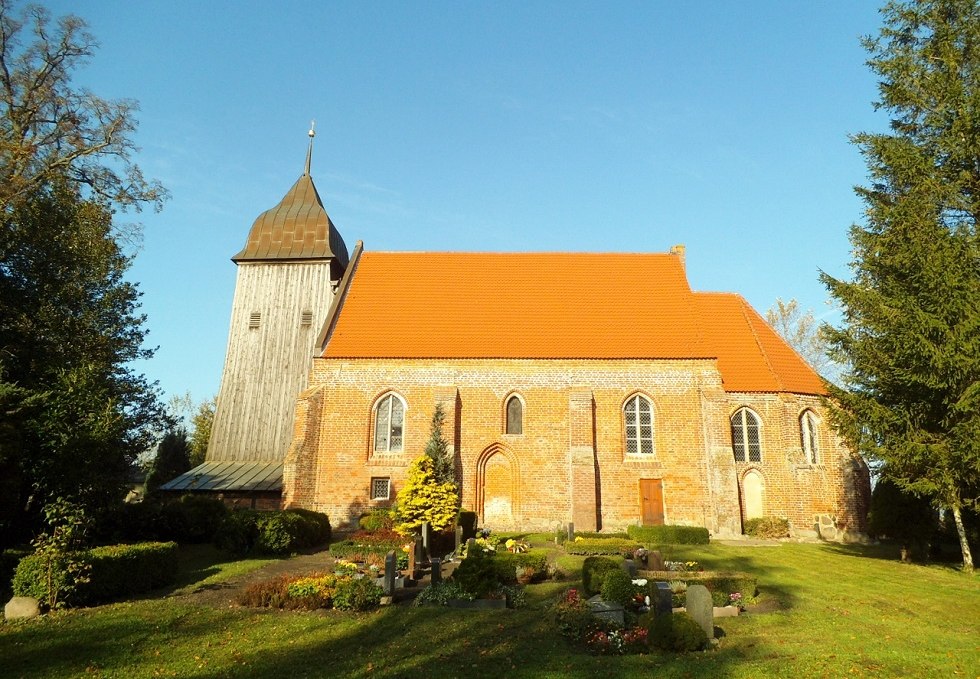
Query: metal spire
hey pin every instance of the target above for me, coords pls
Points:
(309, 151)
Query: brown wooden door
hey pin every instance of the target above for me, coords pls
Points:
(652, 502)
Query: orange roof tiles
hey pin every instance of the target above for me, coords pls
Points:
(556, 306)
(297, 228)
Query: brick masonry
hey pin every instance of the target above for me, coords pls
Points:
(570, 461)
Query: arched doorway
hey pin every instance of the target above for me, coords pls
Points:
(753, 494)
(497, 488)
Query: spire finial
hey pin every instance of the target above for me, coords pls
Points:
(309, 151)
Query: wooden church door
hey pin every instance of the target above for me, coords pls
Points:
(652, 502)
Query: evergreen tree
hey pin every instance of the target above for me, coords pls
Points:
(424, 499)
(438, 449)
(911, 331)
(173, 458)
(901, 516)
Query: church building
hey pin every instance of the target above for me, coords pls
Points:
(596, 388)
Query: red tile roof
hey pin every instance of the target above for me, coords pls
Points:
(556, 305)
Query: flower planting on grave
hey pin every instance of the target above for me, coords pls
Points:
(319, 590)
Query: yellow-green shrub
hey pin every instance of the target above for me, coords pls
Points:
(423, 499)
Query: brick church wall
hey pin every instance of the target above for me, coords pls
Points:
(570, 461)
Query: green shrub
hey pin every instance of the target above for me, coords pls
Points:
(316, 529)
(589, 535)
(279, 532)
(238, 531)
(192, 518)
(478, 574)
(617, 587)
(311, 592)
(507, 563)
(594, 571)
(46, 578)
(467, 521)
(669, 535)
(677, 632)
(767, 527)
(8, 565)
(377, 519)
(357, 594)
(602, 546)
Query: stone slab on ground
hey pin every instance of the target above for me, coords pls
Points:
(605, 610)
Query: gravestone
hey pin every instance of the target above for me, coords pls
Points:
(630, 567)
(701, 608)
(436, 571)
(391, 572)
(571, 532)
(663, 599)
(21, 607)
(607, 610)
(470, 544)
(459, 540)
(426, 540)
(655, 561)
(413, 566)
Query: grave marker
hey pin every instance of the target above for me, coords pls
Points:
(701, 608)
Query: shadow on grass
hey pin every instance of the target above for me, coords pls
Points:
(889, 551)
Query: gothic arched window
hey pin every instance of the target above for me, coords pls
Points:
(515, 416)
(745, 436)
(638, 422)
(389, 424)
(808, 437)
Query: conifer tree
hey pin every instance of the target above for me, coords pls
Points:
(910, 336)
(438, 449)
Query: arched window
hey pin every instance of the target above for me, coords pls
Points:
(808, 437)
(389, 422)
(515, 415)
(638, 420)
(745, 436)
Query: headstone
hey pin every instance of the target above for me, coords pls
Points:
(436, 571)
(607, 610)
(459, 539)
(413, 567)
(655, 561)
(391, 572)
(470, 544)
(571, 531)
(701, 608)
(426, 539)
(21, 607)
(419, 550)
(630, 567)
(663, 599)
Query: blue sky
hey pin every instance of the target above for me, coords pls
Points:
(504, 126)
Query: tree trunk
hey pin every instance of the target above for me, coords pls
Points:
(964, 545)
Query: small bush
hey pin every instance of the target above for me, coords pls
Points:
(677, 632)
(669, 535)
(8, 565)
(46, 578)
(602, 546)
(507, 563)
(279, 532)
(381, 519)
(311, 592)
(594, 571)
(478, 574)
(238, 531)
(617, 587)
(247, 530)
(316, 528)
(272, 593)
(715, 581)
(357, 594)
(192, 518)
(767, 527)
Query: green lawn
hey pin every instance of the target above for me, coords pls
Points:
(833, 611)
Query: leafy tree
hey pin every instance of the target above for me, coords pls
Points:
(437, 449)
(423, 498)
(69, 332)
(800, 330)
(50, 130)
(911, 331)
(201, 436)
(172, 459)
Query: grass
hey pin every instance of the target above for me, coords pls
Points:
(833, 611)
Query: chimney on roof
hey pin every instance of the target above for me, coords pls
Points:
(680, 251)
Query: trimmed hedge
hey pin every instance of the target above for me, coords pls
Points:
(594, 571)
(8, 565)
(116, 571)
(669, 535)
(585, 535)
(715, 581)
(281, 532)
(507, 563)
(767, 527)
(602, 546)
